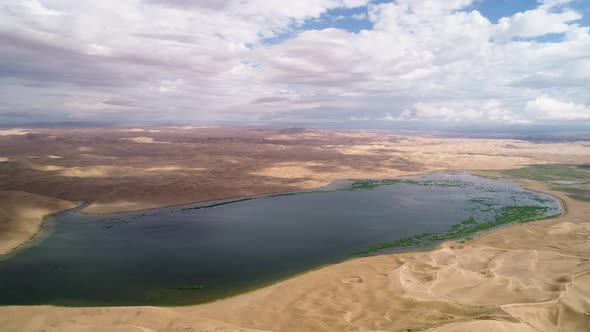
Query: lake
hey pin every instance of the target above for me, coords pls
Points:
(201, 252)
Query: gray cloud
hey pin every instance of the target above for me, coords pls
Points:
(263, 100)
(186, 39)
(40, 62)
(210, 62)
(120, 102)
(188, 4)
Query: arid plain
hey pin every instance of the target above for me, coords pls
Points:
(528, 277)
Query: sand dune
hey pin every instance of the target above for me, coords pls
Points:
(105, 171)
(526, 277)
(21, 215)
(483, 326)
(490, 278)
(15, 131)
(530, 277)
(96, 162)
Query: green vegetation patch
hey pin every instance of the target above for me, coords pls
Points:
(574, 180)
(548, 173)
(469, 221)
(542, 200)
(506, 215)
(372, 184)
(485, 201)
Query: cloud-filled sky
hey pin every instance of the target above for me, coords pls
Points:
(349, 63)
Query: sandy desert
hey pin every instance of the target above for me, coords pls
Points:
(525, 277)
(295, 166)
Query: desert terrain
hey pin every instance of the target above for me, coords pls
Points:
(528, 277)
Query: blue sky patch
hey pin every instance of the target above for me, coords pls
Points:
(355, 19)
(494, 10)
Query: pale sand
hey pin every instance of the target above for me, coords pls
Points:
(103, 167)
(105, 171)
(529, 277)
(14, 131)
(142, 139)
(21, 215)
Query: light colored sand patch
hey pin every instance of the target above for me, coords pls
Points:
(21, 215)
(105, 171)
(48, 168)
(3, 159)
(142, 139)
(146, 319)
(483, 326)
(304, 136)
(173, 168)
(569, 312)
(96, 156)
(54, 157)
(111, 328)
(370, 149)
(91, 171)
(313, 174)
(139, 130)
(289, 170)
(565, 228)
(134, 130)
(117, 206)
(6, 132)
(86, 149)
(309, 184)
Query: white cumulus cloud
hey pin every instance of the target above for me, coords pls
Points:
(256, 61)
(548, 108)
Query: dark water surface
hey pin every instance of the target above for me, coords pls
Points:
(190, 254)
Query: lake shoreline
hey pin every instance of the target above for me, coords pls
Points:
(232, 313)
(266, 281)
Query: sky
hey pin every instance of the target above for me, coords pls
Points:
(406, 64)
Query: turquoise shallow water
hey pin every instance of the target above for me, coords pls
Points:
(201, 252)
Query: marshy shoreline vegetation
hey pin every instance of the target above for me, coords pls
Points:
(510, 214)
(573, 180)
(462, 230)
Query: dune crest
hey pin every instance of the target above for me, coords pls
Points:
(525, 277)
(21, 215)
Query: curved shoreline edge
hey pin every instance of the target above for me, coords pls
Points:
(25, 215)
(427, 249)
(272, 307)
(42, 224)
(206, 204)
